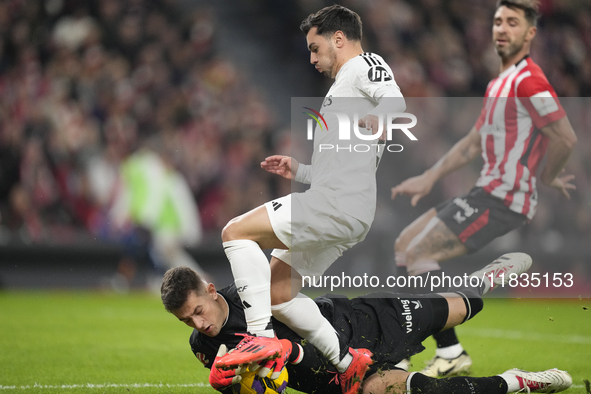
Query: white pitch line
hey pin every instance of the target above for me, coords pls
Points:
(103, 386)
(131, 385)
(527, 336)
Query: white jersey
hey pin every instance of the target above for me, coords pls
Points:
(345, 169)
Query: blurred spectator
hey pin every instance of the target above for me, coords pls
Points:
(150, 198)
(83, 84)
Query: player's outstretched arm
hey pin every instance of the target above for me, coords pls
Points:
(462, 153)
(285, 166)
(561, 142)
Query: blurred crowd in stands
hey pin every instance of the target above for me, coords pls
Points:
(85, 85)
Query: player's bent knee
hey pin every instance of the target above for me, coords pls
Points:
(281, 294)
(226, 232)
(231, 230)
(411, 256)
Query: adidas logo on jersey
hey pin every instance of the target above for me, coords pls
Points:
(276, 205)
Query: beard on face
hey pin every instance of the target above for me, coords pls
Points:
(511, 48)
(327, 70)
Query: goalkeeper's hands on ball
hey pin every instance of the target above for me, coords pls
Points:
(221, 379)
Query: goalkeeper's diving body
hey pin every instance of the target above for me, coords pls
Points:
(391, 325)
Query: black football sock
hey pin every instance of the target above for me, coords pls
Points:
(421, 384)
(473, 304)
(446, 338)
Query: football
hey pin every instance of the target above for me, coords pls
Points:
(252, 384)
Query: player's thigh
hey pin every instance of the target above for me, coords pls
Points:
(435, 242)
(254, 225)
(412, 230)
(285, 281)
(318, 222)
(390, 382)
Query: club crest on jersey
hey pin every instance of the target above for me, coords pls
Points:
(378, 74)
(202, 357)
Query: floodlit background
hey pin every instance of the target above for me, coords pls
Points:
(177, 102)
(181, 100)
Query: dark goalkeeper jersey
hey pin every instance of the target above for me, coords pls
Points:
(404, 322)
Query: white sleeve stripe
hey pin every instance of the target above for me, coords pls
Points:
(521, 78)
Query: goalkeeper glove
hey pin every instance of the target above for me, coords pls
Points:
(221, 379)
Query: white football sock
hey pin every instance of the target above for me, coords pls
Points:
(449, 352)
(314, 328)
(252, 276)
(512, 382)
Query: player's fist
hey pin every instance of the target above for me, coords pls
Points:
(221, 379)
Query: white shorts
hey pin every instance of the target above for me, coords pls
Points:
(314, 229)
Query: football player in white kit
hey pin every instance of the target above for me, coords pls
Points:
(309, 231)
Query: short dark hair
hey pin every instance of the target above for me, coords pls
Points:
(531, 8)
(331, 19)
(177, 284)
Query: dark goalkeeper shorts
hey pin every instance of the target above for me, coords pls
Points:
(394, 326)
(477, 218)
(391, 325)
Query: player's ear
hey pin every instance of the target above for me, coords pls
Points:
(531, 33)
(210, 289)
(339, 39)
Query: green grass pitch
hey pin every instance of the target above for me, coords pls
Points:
(91, 342)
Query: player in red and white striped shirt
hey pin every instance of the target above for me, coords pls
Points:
(521, 122)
